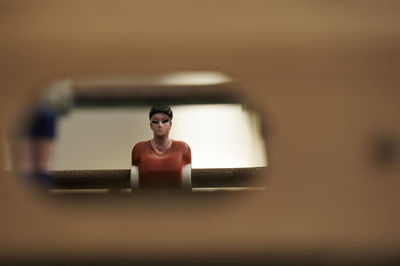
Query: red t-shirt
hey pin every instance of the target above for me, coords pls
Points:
(161, 170)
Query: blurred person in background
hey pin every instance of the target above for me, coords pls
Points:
(38, 132)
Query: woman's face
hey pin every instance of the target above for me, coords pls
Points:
(161, 124)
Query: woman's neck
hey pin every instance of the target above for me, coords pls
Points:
(161, 142)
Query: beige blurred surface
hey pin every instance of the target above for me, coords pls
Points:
(324, 74)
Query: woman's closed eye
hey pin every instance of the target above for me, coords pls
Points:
(158, 122)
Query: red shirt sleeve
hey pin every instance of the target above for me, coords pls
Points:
(136, 155)
(187, 155)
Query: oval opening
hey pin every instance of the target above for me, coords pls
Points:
(77, 138)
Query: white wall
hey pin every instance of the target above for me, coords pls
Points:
(220, 135)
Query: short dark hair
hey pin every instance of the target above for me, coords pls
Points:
(166, 109)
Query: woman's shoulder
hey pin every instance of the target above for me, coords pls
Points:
(180, 144)
(141, 145)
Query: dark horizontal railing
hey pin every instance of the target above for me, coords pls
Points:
(201, 178)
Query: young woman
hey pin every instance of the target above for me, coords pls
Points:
(161, 163)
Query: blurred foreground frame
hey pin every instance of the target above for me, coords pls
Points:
(326, 73)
